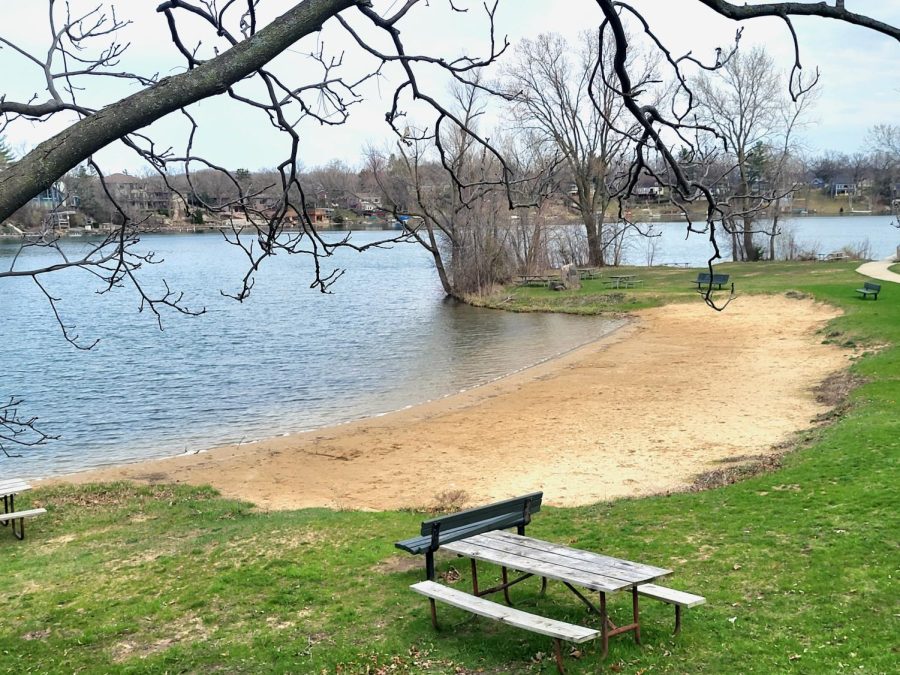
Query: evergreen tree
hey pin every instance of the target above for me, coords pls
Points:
(6, 155)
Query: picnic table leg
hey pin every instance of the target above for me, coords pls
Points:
(677, 620)
(637, 623)
(557, 648)
(433, 613)
(9, 505)
(21, 533)
(543, 585)
(604, 627)
(505, 577)
(474, 578)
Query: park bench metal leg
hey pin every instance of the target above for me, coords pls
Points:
(21, 533)
(677, 619)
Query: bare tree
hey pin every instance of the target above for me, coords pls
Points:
(742, 101)
(452, 190)
(561, 103)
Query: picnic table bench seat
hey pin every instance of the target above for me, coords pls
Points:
(707, 279)
(869, 289)
(434, 532)
(13, 517)
(558, 630)
(672, 597)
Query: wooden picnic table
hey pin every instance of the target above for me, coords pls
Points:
(574, 567)
(9, 488)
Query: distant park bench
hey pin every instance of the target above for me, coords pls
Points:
(707, 279)
(8, 490)
(869, 289)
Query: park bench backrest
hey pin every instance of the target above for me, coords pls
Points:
(704, 278)
(514, 512)
(872, 287)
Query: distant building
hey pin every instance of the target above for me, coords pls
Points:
(843, 185)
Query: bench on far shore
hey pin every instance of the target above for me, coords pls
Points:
(869, 289)
(707, 279)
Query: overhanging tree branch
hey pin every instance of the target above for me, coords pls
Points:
(40, 168)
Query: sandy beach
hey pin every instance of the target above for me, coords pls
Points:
(678, 391)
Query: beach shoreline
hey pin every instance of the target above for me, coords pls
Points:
(641, 411)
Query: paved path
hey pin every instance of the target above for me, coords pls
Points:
(878, 269)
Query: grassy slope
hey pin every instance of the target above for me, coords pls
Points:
(799, 566)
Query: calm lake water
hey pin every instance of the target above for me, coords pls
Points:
(819, 234)
(288, 359)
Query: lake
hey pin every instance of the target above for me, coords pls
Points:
(288, 359)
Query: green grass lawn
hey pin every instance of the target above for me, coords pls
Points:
(799, 565)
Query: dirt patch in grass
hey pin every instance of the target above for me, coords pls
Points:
(834, 389)
(186, 629)
(399, 564)
(732, 474)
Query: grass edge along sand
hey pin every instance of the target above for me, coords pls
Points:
(798, 564)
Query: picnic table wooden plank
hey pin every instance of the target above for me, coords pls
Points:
(508, 615)
(12, 481)
(559, 560)
(670, 595)
(628, 570)
(13, 489)
(593, 581)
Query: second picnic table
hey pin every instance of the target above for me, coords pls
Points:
(622, 280)
(573, 567)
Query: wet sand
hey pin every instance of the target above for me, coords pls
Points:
(674, 393)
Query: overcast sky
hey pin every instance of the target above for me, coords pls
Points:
(860, 83)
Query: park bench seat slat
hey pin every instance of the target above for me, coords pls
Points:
(508, 615)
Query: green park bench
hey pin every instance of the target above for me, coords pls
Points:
(514, 512)
(707, 279)
(869, 289)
